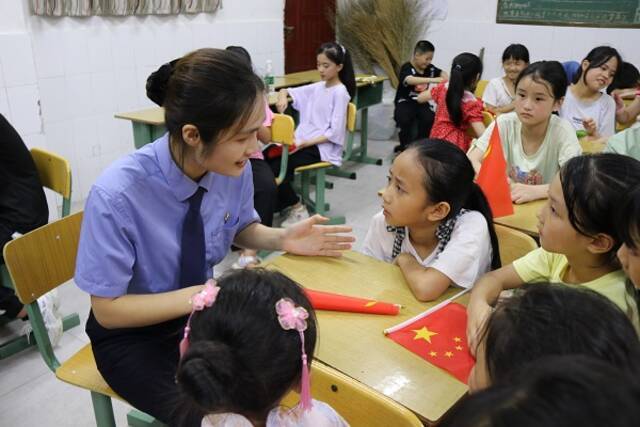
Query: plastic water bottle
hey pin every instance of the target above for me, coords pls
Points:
(269, 79)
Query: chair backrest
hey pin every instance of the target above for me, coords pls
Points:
(282, 128)
(44, 258)
(351, 117)
(487, 118)
(55, 174)
(358, 404)
(514, 244)
(480, 87)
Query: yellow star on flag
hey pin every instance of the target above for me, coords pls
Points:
(433, 354)
(457, 339)
(424, 333)
(459, 347)
(448, 354)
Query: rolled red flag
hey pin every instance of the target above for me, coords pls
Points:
(336, 302)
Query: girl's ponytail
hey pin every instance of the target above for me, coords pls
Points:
(339, 55)
(465, 69)
(478, 202)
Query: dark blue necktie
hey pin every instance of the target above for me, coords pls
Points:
(193, 256)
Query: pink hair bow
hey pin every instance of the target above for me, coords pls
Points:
(292, 317)
(204, 298)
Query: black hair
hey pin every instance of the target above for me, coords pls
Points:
(627, 76)
(628, 219)
(556, 391)
(242, 52)
(594, 187)
(339, 55)
(549, 73)
(423, 46)
(449, 177)
(212, 89)
(597, 57)
(517, 52)
(543, 319)
(240, 359)
(466, 68)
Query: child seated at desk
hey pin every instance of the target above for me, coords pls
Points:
(534, 140)
(436, 224)
(578, 236)
(544, 319)
(414, 116)
(500, 93)
(248, 342)
(556, 391)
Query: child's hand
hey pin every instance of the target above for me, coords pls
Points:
(619, 102)
(523, 193)
(477, 315)
(589, 126)
(401, 258)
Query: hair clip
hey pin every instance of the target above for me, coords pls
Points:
(204, 298)
(344, 50)
(291, 316)
(458, 67)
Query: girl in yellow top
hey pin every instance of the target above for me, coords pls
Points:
(578, 237)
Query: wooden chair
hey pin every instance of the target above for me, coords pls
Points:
(348, 149)
(282, 128)
(480, 87)
(55, 174)
(514, 244)
(487, 119)
(358, 404)
(38, 262)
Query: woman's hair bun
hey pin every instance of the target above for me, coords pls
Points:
(158, 81)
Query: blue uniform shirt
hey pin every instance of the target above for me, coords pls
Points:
(132, 226)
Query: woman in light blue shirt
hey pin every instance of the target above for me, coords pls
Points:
(158, 220)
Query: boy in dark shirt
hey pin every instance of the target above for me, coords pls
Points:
(412, 114)
(23, 205)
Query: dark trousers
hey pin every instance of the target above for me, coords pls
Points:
(286, 194)
(140, 365)
(265, 190)
(414, 120)
(9, 302)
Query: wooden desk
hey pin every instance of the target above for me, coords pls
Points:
(524, 217)
(355, 344)
(148, 124)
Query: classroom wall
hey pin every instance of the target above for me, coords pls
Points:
(62, 79)
(471, 25)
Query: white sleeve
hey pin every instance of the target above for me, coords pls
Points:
(483, 142)
(490, 95)
(379, 242)
(301, 94)
(467, 256)
(607, 125)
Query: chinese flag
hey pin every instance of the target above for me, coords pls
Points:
(336, 302)
(441, 339)
(492, 177)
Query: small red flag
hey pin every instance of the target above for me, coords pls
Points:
(440, 338)
(492, 177)
(336, 302)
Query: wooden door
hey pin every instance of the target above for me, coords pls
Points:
(306, 27)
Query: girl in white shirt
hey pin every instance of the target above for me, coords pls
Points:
(500, 93)
(586, 106)
(436, 224)
(535, 142)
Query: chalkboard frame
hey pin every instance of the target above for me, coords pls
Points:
(525, 21)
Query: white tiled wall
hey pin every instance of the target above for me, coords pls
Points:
(471, 25)
(62, 80)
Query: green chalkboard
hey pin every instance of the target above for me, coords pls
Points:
(589, 13)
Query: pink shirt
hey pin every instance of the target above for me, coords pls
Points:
(268, 118)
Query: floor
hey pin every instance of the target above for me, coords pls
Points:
(30, 395)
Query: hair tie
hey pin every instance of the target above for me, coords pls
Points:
(204, 298)
(458, 67)
(291, 316)
(343, 49)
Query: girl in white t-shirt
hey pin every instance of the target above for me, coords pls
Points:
(586, 106)
(436, 224)
(500, 93)
(535, 142)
